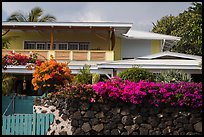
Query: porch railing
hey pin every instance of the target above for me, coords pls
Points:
(67, 55)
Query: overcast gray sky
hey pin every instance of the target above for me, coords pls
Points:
(141, 14)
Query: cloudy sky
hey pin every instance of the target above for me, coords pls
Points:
(141, 14)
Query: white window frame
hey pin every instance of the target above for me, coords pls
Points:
(56, 45)
(69, 44)
(63, 45)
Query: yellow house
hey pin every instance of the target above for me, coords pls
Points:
(78, 41)
(82, 42)
(109, 47)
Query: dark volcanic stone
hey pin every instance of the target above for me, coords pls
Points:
(127, 120)
(63, 133)
(76, 115)
(106, 132)
(78, 131)
(89, 114)
(74, 123)
(86, 127)
(98, 127)
(93, 121)
(147, 126)
(138, 119)
(143, 131)
(198, 127)
(115, 132)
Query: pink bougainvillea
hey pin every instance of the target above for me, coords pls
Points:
(156, 93)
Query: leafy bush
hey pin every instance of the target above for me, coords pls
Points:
(79, 92)
(19, 59)
(51, 74)
(8, 82)
(85, 76)
(136, 74)
(95, 78)
(155, 93)
(173, 76)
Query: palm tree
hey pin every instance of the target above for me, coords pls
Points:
(6, 40)
(8, 82)
(36, 15)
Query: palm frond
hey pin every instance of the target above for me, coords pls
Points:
(17, 17)
(47, 18)
(6, 41)
(35, 14)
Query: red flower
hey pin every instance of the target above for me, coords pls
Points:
(38, 62)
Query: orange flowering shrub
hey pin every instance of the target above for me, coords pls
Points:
(51, 74)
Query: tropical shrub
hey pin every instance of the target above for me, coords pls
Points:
(51, 74)
(83, 92)
(85, 76)
(155, 93)
(172, 76)
(13, 58)
(8, 81)
(136, 74)
(95, 78)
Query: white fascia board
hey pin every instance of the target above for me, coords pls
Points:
(99, 71)
(74, 24)
(17, 70)
(81, 67)
(173, 54)
(151, 66)
(135, 34)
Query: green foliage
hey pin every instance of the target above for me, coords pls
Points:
(173, 76)
(35, 15)
(6, 41)
(85, 76)
(95, 78)
(136, 74)
(187, 25)
(8, 82)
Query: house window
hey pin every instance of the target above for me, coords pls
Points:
(73, 46)
(63, 46)
(84, 46)
(54, 46)
(57, 45)
(41, 46)
(29, 45)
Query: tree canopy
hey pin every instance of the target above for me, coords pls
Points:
(187, 25)
(35, 15)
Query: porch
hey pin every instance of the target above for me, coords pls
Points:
(68, 55)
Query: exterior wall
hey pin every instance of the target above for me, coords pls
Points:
(117, 49)
(136, 48)
(155, 46)
(98, 40)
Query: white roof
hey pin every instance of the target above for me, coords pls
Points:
(122, 27)
(153, 64)
(74, 24)
(135, 34)
(102, 67)
(171, 54)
